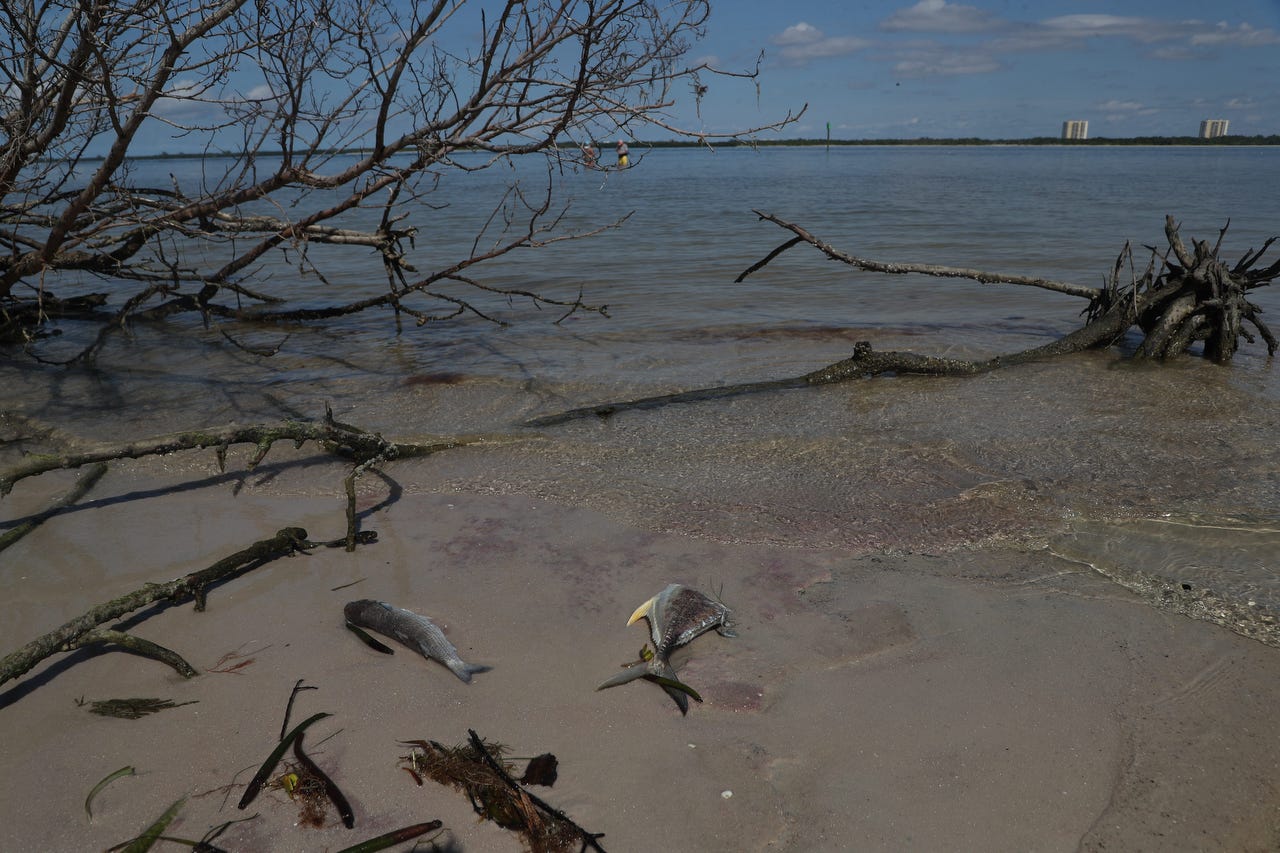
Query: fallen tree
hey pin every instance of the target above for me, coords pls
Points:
(1183, 298)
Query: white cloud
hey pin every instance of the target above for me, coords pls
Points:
(803, 42)
(939, 16)
(944, 63)
(928, 58)
(1241, 35)
(261, 92)
(801, 33)
(1114, 106)
(1179, 39)
(1100, 25)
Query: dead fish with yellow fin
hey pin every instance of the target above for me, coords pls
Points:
(677, 615)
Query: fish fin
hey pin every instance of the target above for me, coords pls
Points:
(677, 695)
(370, 641)
(464, 671)
(726, 630)
(679, 692)
(642, 611)
(639, 669)
(662, 673)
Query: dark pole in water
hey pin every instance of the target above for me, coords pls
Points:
(828, 137)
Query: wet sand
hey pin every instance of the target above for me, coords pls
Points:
(966, 699)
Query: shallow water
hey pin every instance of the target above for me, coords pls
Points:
(1091, 453)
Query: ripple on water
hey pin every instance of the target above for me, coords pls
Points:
(1235, 557)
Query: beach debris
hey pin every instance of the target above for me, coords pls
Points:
(677, 615)
(130, 709)
(302, 779)
(311, 786)
(413, 630)
(86, 630)
(391, 839)
(151, 835)
(541, 770)
(312, 772)
(205, 844)
(88, 801)
(264, 772)
(234, 662)
(298, 687)
(479, 769)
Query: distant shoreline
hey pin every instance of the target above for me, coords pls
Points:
(1098, 142)
(1102, 141)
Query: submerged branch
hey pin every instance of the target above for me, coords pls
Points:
(982, 276)
(1200, 301)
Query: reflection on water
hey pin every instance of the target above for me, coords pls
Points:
(1098, 454)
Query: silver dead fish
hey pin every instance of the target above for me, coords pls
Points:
(417, 632)
(676, 616)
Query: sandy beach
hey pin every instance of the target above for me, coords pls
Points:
(983, 698)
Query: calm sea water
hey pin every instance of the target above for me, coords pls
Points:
(1172, 469)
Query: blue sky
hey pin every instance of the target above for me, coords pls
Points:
(937, 68)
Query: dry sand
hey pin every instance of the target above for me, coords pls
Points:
(995, 700)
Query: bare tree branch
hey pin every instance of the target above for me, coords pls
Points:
(313, 113)
(903, 268)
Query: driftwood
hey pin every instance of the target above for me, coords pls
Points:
(83, 484)
(1185, 296)
(85, 630)
(366, 449)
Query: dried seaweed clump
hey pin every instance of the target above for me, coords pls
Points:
(307, 790)
(478, 769)
(130, 709)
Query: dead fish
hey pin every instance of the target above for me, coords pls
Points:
(676, 616)
(417, 632)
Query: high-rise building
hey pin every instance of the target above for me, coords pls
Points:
(1075, 129)
(1211, 127)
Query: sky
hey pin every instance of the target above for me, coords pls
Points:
(885, 69)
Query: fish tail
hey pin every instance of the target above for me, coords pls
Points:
(664, 674)
(679, 697)
(465, 670)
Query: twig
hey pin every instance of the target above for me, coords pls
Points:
(288, 708)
